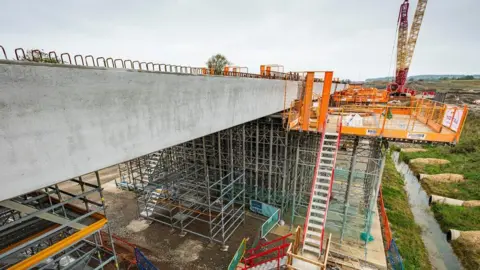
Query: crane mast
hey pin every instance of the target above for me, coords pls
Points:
(402, 45)
(406, 46)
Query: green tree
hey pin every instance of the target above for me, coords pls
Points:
(218, 62)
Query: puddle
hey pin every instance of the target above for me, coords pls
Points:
(439, 250)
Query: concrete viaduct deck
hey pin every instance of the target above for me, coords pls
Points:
(63, 121)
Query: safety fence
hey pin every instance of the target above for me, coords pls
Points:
(391, 249)
(127, 252)
(142, 262)
(272, 251)
(53, 57)
(394, 257)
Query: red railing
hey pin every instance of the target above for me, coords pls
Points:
(279, 251)
(120, 243)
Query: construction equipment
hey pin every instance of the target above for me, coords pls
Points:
(406, 46)
(321, 192)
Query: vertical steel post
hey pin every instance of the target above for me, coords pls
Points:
(284, 178)
(270, 162)
(207, 179)
(82, 187)
(232, 169)
(307, 102)
(323, 107)
(297, 155)
(244, 180)
(102, 199)
(353, 161)
(219, 155)
(256, 160)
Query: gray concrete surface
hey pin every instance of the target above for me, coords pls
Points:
(58, 122)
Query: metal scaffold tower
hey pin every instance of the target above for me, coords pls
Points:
(266, 158)
(58, 227)
(205, 194)
(204, 186)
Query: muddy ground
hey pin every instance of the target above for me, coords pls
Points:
(163, 245)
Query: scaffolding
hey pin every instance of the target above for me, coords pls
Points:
(263, 161)
(56, 227)
(205, 194)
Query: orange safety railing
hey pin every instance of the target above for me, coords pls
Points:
(360, 95)
(412, 119)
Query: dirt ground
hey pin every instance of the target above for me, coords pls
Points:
(162, 245)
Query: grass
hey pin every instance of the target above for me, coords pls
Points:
(464, 159)
(457, 217)
(405, 231)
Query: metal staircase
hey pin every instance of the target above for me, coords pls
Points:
(321, 193)
(152, 167)
(151, 202)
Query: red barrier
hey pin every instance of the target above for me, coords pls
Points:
(280, 251)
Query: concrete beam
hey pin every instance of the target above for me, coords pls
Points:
(61, 121)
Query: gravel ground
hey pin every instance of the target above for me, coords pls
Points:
(162, 245)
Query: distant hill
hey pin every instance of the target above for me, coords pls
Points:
(427, 77)
(434, 85)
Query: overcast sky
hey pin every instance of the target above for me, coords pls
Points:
(352, 37)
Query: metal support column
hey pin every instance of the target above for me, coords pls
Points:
(351, 174)
(270, 163)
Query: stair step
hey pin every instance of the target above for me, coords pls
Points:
(317, 234)
(323, 191)
(312, 241)
(316, 226)
(324, 177)
(311, 249)
(329, 140)
(328, 152)
(322, 184)
(319, 204)
(325, 171)
(319, 214)
(330, 146)
(317, 219)
(331, 134)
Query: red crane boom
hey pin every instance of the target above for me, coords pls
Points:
(406, 46)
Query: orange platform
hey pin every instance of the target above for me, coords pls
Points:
(420, 120)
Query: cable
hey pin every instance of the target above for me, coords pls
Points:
(393, 49)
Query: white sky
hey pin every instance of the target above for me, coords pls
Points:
(352, 37)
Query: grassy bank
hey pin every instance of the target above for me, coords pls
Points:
(464, 159)
(457, 217)
(406, 232)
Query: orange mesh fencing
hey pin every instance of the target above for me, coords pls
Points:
(387, 233)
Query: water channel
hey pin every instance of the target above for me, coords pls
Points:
(439, 250)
